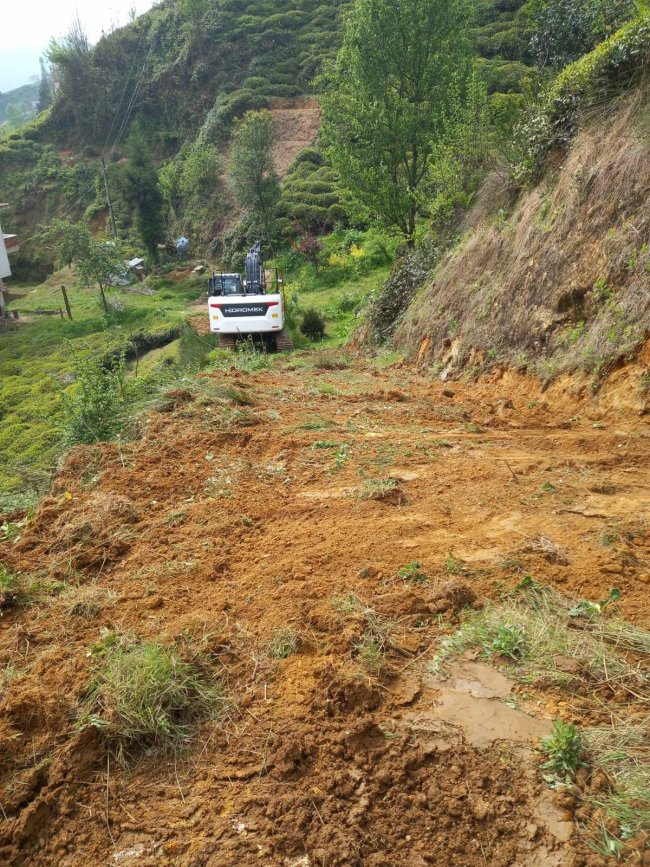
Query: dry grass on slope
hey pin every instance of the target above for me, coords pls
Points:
(559, 280)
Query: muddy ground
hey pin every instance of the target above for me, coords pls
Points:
(227, 522)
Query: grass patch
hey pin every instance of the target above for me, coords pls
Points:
(145, 694)
(38, 367)
(285, 643)
(376, 632)
(377, 489)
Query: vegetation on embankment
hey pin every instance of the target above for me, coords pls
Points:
(551, 277)
(39, 364)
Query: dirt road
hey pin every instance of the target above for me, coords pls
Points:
(284, 503)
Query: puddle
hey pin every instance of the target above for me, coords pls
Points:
(471, 700)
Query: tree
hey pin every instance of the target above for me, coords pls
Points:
(389, 93)
(567, 29)
(97, 261)
(251, 174)
(142, 192)
(45, 87)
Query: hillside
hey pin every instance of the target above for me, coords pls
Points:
(552, 275)
(17, 106)
(558, 279)
(224, 59)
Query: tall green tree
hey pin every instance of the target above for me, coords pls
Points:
(251, 173)
(389, 94)
(142, 192)
(45, 87)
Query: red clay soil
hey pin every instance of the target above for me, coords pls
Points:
(225, 523)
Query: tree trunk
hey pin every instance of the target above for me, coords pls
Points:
(104, 302)
(410, 240)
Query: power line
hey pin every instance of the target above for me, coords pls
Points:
(126, 84)
(122, 128)
(131, 104)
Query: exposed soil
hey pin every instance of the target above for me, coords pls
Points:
(217, 531)
(295, 124)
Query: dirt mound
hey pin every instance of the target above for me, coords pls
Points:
(319, 609)
(89, 532)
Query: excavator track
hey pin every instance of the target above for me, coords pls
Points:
(283, 341)
(227, 341)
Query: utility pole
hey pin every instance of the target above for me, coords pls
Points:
(108, 199)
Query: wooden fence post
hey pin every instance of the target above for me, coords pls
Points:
(67, 303)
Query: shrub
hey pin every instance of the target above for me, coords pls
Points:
(94, 407)
(313, 324)
(590, 80)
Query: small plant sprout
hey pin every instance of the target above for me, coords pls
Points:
(413, 573)
(285, 643)
(563, 750)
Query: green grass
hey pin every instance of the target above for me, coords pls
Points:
(37, 364)
(413, 573)
(584, 648)
(145, 694)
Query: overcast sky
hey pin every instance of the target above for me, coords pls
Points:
(26, 27)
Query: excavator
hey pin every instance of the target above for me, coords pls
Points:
(249, 308)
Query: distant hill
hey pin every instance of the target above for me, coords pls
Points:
(17, 106)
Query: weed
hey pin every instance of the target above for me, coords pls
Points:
(602, 292)
(370, 653)
(8, 588)
(456, 566)
(284, 643)
(317, 424)
(86, 602)
(324, 444)
(349, 603)
(413, 573)
(549, 488)
(472, 428)
(145, 694)
(509, 640)
(563, 749)
(341, 457)
(375, 640)
(175, 519)
(330, 360)
(234, 395)
(328, 389)
(606, 844)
